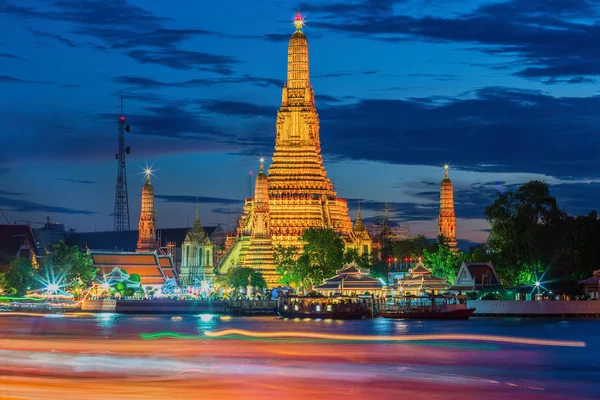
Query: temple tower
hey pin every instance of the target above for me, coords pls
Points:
(300, 194)
(296, 194)
(447, 218)
(196, 255)
(359, 238)
(260, 247)
(147, 226)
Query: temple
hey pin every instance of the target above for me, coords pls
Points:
(147, 226)
(196, 255)
(296, 194)
(447, 218)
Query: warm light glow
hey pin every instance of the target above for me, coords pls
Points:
(446, 166)
(261, 160)
(388, 338)
(298, 20)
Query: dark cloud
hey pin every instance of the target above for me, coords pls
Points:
(22, 205)
(491, 129)
(437, 77)
(227, 211)
(325, 98)
(574, 80)
(118, 24)
(11, 79)
(194, 199)
(237, 108)
(148, 83)
(182, 59)
(53, 36)
(170, 120)
(549, 38)
(7, 193)
(6, 55)
(276, 37)
(76, 181)
(342, 74)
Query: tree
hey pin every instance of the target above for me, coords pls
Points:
(20, 277)
(70, 262)
(323, 252)
(134, 278)
(240, 277)
(287, 266)
(352, 256)
(527, 229)
(444, 263)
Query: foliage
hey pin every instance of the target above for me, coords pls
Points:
(20, 277)
(129, 292)
(240, 277)
(287, 265)
(380, 270)
(323, 253)
(411, 247)
(529, 229)
(134, 278)
(363, 261)
(444, 263)
(70, 262)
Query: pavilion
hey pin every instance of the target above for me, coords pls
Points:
(420, 280)
(350, 280)
(591, 286)
(473, 277)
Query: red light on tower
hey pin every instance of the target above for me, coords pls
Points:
(122, 119)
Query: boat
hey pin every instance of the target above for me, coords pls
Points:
(336, 307)
(426, 307)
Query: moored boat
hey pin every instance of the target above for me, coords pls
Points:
(426, 307)
(339, 307)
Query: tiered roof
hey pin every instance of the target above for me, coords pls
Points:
(354, 278)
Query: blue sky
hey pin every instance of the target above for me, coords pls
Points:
(505, 91)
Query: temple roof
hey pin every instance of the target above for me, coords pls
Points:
(354, 277)
(420, 269)
(151, 268)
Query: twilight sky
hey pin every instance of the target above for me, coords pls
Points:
(505, 91)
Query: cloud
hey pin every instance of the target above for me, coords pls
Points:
(185, 60)
(199, 199)
(489, 129)
(344, 73)
(7, 193)
(76, 181)
(547, 38)
(120, 25)
(6, 55)
(22, 205)
(143, 83)
(53, 36)
(11, 79)
(237, 108)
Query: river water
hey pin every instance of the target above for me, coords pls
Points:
(130, 354)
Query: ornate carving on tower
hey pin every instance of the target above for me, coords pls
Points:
(196, 255)
(147, 226)
(447, 218)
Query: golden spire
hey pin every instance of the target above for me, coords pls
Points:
(197, 214)
(446, 166)
(359, 223)
(298, 21)
(262, 164)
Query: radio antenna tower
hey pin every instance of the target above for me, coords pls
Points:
(121, 213)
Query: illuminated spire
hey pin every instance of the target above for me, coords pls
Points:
(147, 225)
(262, 164)
(197, 214)
(359, 223)
(299, 21)
(447, 217)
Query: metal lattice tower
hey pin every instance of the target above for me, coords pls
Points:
(121, 213)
